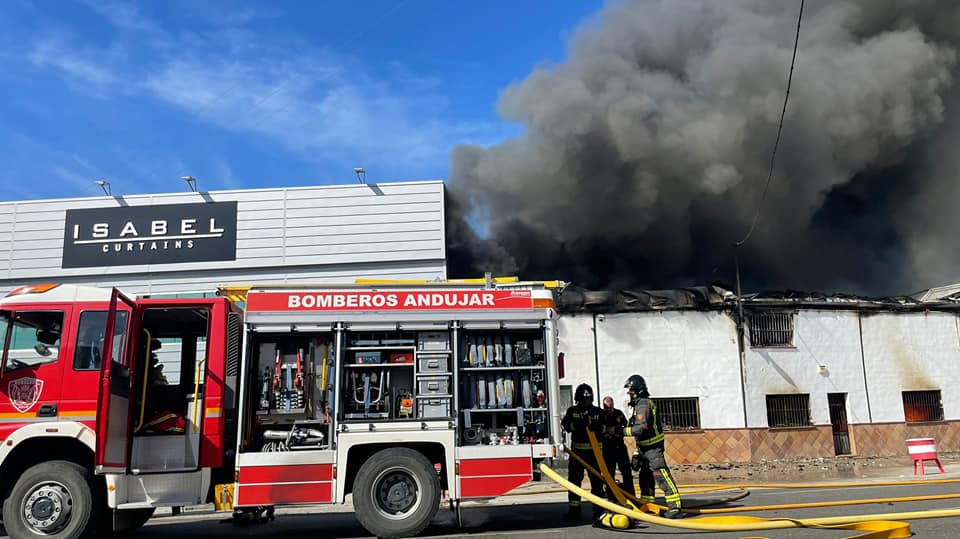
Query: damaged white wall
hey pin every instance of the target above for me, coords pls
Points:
(911, 352)
(695, 354)
(680, 354)
(821, 338)
(576, 343)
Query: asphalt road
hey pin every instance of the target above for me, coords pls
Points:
(541, 515)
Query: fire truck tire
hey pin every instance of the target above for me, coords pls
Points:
(51, 499)
(396, 493)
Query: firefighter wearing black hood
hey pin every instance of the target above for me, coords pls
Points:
(580, 417)
(646, 427)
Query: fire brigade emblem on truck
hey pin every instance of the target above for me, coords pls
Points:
(24, 393)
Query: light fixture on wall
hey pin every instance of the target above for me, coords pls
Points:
(822, 370)
(361, 174)
(105, 185)
(191, 182)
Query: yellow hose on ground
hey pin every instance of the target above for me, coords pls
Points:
(822, 504)
(633, 496)
(695, 507)
(874, 523)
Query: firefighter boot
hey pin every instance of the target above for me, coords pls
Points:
(672, 514)
(573, 511)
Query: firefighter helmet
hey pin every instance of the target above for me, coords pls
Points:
(584, 394)
(636, 383)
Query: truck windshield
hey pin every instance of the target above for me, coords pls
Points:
(34, 340)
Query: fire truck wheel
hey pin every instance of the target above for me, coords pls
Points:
(396, 493)
(51, 499)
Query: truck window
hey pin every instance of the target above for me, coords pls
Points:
(35, 339)
(4, 325)
(89, 348)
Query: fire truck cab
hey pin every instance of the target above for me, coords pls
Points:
(109, 407)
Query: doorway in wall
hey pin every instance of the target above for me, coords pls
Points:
(838, 422)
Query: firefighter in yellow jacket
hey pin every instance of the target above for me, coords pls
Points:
(646, 427)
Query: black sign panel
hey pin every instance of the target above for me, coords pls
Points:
(166, 234)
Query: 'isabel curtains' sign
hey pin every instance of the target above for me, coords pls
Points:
(163, 234)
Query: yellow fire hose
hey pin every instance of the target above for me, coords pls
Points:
(618, 493)
(632, 495)
(695, 508)
(877, 526)
(822, 504)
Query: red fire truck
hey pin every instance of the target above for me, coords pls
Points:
(398, 394)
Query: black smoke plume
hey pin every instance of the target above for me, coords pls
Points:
(643, 155)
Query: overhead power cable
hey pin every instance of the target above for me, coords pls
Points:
(776, 142)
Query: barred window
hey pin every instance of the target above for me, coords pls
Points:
(682, 413)
(922, 406)
(788, 410)
(771, 329)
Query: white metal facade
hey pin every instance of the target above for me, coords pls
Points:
(304, 234)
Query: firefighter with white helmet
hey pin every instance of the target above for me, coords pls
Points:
(646, 427)
(580, 417)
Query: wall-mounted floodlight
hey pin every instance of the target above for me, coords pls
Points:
(361, 174)
(191, 182)
(105, 185)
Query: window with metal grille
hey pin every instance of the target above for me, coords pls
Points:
(788, 410)
(679, 413)
(922, 406)
(771, 329)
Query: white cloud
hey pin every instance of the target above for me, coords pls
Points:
(124, 16)
(317, 106)
(309, 100)
(86, 70)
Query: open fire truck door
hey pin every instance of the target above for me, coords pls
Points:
(113, 403)
(160, 408)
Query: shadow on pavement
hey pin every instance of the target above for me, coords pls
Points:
(477, 519)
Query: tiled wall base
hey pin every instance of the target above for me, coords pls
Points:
(746, 445)
(884, 439)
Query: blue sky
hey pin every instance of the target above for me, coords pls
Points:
(257, 94)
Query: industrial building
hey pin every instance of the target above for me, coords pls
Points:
(813, 376)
